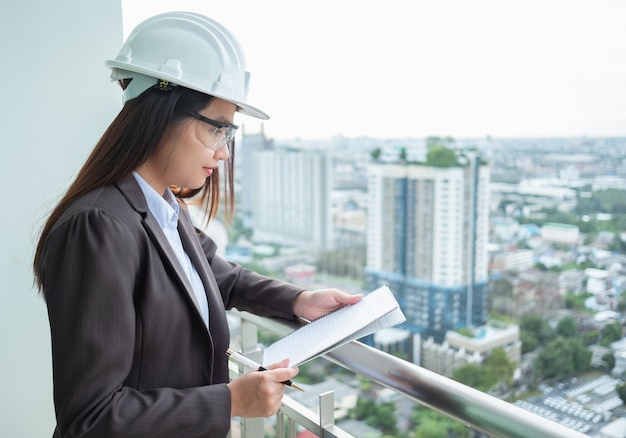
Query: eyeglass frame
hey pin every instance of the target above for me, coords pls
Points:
(229, 134)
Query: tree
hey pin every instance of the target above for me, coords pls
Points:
(502, 287)
(609, 360)
(376, 154)
(581, 355)
(591, 337)
(496, 368)
(441, 156)
(621, 391)
(403, 154)
(610, 333)
(475, 376)
(465, 331)
(380, 416)
(529, 342)
(535, 331)
(563, 357)
(608, 201)
(432, 424)
(433, 141)
(500, 366)
(566, 327)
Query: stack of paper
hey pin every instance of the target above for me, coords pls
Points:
(376, 310)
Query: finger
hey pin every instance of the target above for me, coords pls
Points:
(352, 299)
(282, 364)
(280, 375)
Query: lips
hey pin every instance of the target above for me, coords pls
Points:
(208, 170)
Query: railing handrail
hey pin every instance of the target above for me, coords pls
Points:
(476, 409)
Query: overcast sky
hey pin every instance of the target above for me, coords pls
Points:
(414, 68)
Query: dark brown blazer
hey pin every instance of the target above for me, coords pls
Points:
(131, 354)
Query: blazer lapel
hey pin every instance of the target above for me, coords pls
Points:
(132, 192)
(198, 258)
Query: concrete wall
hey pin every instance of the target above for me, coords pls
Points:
(55, 102)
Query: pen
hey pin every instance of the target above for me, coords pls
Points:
(249, 363)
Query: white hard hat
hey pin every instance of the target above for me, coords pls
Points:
(186, 49)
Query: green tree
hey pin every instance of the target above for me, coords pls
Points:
(403, 154)
(502, 287)
(430, 429)
(581, 355)
(570, 299)
(496, 368)
(591, 337)
(576, 301)
(606, 201)
(566, 327)
(621, 391)
(441, 156)
(610, 333)
(617, 245)
(475, 376)
(465, 331)
(534, 331)
(609, 360)
(621, 306)
(500, 366)
(529, 342)
(563, 357)
(554, 360)
(432, 424)
(433, 141)
(376, 154)
(380, 416)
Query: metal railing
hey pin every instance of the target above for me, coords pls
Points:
(477, 410)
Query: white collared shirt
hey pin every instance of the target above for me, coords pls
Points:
(165, 211)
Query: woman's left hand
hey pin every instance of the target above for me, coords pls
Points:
(314, 304)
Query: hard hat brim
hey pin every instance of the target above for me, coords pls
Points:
(242, 107)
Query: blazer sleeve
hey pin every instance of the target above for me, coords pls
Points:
(248, 290)
(89, 269)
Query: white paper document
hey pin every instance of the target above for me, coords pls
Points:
(376, 311)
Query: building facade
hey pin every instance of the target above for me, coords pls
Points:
(458, 350)
(287, 193)
(427, 240)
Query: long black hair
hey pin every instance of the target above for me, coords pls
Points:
(133, 136)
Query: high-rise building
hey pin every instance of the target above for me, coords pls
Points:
(287, 193)
(427, 240)
(245, 167)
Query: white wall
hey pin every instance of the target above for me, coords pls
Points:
(55, 102)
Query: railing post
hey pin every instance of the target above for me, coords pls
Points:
(280, 425)
(291, 428)
(250, 427)
(327, 411)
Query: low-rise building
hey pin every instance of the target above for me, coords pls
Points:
(458, 350)
(514, 261)
(571, 280)
(560, 233)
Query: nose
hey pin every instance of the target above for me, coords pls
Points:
(222, 153)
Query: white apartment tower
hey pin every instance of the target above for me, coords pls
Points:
(289, 196)
(427, 239)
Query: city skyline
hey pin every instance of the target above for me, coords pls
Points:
(415, 69)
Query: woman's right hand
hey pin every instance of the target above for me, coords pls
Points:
(259, 393)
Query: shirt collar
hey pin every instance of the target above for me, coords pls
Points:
(164, 207)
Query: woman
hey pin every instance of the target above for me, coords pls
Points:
(136, 295)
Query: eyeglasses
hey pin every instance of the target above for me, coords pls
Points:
(225, 132)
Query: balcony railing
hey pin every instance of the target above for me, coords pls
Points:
(477, 410)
